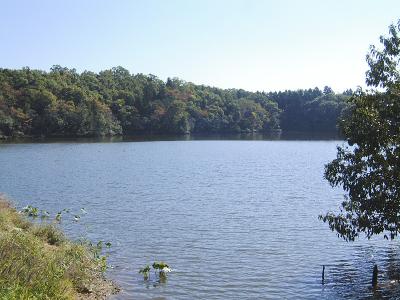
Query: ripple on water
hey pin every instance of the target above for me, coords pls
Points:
(234, 219)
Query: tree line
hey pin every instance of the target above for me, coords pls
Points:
(63, 102)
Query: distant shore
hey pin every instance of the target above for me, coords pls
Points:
(272, 135)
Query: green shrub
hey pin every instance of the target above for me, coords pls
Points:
(49, 233)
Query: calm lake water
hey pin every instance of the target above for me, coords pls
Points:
(235, 219)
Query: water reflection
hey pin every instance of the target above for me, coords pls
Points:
(254, 136)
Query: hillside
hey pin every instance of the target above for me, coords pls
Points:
(65, 103)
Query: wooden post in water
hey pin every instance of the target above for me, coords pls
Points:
(323, 274)
(375, 276)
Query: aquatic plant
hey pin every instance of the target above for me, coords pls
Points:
(145, 271)
(31, 211)
(162, 267)
(160, 270)
(44, 214)
(58, 216)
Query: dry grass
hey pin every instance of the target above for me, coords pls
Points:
(38, 262)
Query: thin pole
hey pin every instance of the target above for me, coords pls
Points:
(375, 276)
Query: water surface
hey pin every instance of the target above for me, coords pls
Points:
(236, 219)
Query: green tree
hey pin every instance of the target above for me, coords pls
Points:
(369, 168)
(253, 115)
(322, 113)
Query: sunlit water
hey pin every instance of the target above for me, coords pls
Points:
(234, 219)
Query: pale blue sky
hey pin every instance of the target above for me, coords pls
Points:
(254, 45)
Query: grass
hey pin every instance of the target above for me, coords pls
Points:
(37, 261)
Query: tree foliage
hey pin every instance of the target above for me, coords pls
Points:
(63, 102)
(368, 168)
(310, 110)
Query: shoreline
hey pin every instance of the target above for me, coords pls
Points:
(275, 135)
(40, 261)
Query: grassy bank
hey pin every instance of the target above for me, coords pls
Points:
(38, 262)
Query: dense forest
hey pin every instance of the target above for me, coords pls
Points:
(310, 110)
(63, 102)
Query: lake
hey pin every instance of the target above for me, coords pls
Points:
(235, 219)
